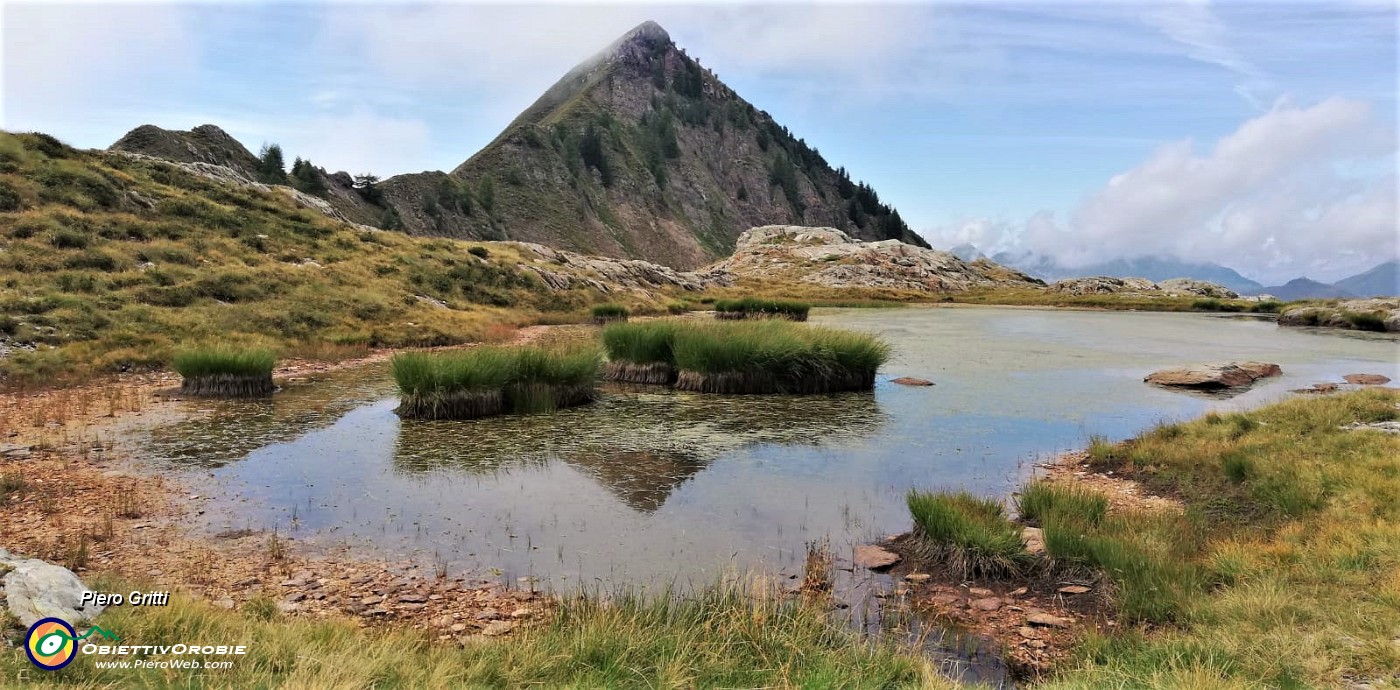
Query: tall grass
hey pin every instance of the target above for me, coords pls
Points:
(607, 313)
(226, 371)
(485, 381)
(641, 352)
(758, 357)
(224, 359)
(770, 357)
(718, 637)
(754, 307)
(968, 534)
(1039, 499)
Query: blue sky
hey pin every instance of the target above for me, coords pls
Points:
(1259, 135)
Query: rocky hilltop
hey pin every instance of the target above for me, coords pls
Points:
(204, 144)
(1175, 287)
(831, 258)
(637, 153)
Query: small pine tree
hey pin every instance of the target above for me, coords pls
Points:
(272, 167)
(306, 178)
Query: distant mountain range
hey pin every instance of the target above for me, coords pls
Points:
(1382, 280)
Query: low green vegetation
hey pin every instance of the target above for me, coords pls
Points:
(753, 307)
(967, 534)
(486, 381)
(224, 370)
(718, 637)
(1281, 569)
(1365, 321)
(606, 313)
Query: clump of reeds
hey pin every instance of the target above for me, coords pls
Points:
(641, 352)
(756, 308)
(608, 313)
(967, 534)
(486, 381)
(225, 371)
(763, 357)
(771, 357)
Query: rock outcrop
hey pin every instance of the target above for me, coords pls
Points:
(35, 589)
(1176, 287)
(1359, 314)
(1214, 376)
(562, 270)
(830, 258)
(203, 144)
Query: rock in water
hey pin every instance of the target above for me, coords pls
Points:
(1366, 379)
(35, 589)
(1214, 376)
(874, 557)
(911, 381)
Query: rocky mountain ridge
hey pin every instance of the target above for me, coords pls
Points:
(637, 153)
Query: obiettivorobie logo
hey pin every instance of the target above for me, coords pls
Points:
(52, 643)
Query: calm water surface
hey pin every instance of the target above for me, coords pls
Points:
(653, 486)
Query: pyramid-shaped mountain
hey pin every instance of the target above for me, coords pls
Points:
(640, 152)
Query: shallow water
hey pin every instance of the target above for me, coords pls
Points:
(651, 486)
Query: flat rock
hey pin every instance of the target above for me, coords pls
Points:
(911, 381)
(1366, 379)
(918, 577)
(495, 628)
(1047, 620)
(35, 589)
(874, 557)
(986, 604)
(1073, 589)
(1034, 537)
(1214, 376)
(14, 451)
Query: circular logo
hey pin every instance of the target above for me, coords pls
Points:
(50, 644)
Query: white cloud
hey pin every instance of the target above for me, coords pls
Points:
(1284, 195)
(359, 141)
(63, 57)
(1195, 25)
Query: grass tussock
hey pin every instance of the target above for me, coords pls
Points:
(758, 357)
(225, 371)
(608, 313)
(486, 381)
(756, 308)
(718, 637)
(967, 534)
(1039, 499)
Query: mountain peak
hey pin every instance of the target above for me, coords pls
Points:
(648, 30)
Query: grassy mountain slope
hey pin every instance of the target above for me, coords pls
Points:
(109, 262)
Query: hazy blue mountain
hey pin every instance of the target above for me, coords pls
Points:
(1150, 267)
(1306, 288)
(1381, 281)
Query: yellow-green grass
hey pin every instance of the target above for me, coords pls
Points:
(641, 352)
(223, 370)
(744, 357)
(969, 535)
(113, 263)
(606, 313)
(755, 307)
(485, 381)
(775, 357)
(716, 638)
(1286, 574)
(1038, 499)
